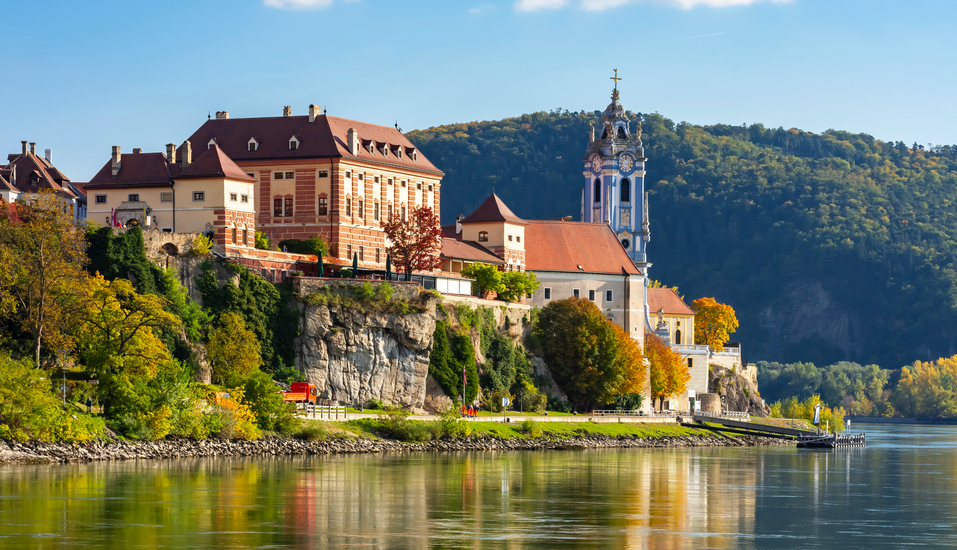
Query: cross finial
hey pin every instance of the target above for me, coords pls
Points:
(616, 79)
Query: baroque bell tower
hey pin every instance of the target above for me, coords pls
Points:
(614, 172)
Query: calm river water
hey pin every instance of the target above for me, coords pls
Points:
(900, 491)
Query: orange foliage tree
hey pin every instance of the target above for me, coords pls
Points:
(713, 323)
(416, 242)
(669, 375)
(591, 358)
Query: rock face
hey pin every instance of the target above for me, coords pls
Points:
(738, 392)
(353, 356)
(808, 311)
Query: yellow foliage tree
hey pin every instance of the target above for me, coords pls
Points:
(234, 351)
(714, 322)
(669, 375)
(928, 389)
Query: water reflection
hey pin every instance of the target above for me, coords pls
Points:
(883, 496)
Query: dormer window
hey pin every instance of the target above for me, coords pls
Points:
(211, 143)
(293, 143)
(415, 156)
(252, 144)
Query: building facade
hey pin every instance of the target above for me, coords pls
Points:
(26, 174)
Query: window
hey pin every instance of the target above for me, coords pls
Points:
(101, 199)
(284, 175)
(134, 197)
(576, 293)
(378, 257)
(233, 197)
(323, 206)
(430, 187)
(418, 186)
(288, 206)
(362, 210)
(199, 196)
(548, 293)
(234, 235)
(678, 337)
(625, 190)
(349, 252)
(348, 173)
(250, 174)
(390, 212)
(403, 213)
(348, 207)
(293, 144)
(166, 197)
(167, 230)
(253, 144)
(518, 238)
(361, 177)
(591, 295)
(375, 211)
(375, 179)
(362, 253)
(690, 364)
(277, 208)
(510, 238)
(290, 175)
(323, 174)
(278, 176)
(483, 236)
(608, 295)
(245, 240)
(390, 181)
(245, 198)
(597, 195)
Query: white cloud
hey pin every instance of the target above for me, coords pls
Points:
(480, 9)
(600, 5)
(536, 5)
(297, 4)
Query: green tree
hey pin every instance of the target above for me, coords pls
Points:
(517, 285)
(233, 350)
(487, 276)
(262, 241)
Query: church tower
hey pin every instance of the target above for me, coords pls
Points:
(614, 174)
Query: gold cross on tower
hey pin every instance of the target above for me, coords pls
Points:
(616, 79)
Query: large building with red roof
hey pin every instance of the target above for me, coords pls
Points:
(26, 175)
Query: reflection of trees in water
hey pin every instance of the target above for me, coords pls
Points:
(642, 499)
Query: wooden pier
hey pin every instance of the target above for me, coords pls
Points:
(803, 438)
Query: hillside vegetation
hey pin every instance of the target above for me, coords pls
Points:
(831, 247)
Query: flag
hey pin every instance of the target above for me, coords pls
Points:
(817, 414)
(112, 217)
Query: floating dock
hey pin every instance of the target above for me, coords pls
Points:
(803, 438)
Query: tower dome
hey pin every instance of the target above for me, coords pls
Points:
(614, 110)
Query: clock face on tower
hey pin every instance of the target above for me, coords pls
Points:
(625, 163)
(596, 164)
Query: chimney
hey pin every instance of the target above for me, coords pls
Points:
(171, 153)
(24, 145)
(136, 150)
(48, 154)
(116, 160)
(313, 112)
(352, 141)
(458, 224)
(33, 148)
(187, 155)
(287, 111)
(222, 115)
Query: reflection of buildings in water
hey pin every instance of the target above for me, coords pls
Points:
(685, 500)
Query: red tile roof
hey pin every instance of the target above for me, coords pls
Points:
(136, 170)
(556, 245)
(33, 168)
(214, 163)
(668, 301)
(469, 251)
(4, 184)
(325, 138)
(448, 230)
(493, 210)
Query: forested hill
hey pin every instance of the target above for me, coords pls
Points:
(832, 246)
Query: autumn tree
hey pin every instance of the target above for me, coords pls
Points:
(713, 323)
(415, 242)
(669, 374)
(233, 350)
(592, 359)
(41, 272)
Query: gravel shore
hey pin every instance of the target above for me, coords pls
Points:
(37, 452)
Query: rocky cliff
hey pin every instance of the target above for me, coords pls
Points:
(737, 391)
(354, 356)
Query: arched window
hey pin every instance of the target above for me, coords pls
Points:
(678, 337)
(483, 236)
(597, 190)
(604, 135)
(625, 190)
(621, 133)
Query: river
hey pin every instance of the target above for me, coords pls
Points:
(899, 491)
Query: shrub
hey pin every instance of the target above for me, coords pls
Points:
(531, 428)
(374, 404)
(396, 424)
(201, 246)
(311, 430)
(262, 241)
(558, 404)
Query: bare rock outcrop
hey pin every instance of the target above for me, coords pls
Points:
(736, 391)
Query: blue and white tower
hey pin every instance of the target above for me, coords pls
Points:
(614, 174)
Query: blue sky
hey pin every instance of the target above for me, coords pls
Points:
(81, 77)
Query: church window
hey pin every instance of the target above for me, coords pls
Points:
(483, 236)
(597, 190)
(625, 190)
(548, 293)
(577, 293)
(678, 338)
(621, 133)
(591, 295)
(608, 295)
(625, 243)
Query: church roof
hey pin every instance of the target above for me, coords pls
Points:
(214, 163)
(493, 210)
(468, 250)
(556, 245)
(668, 301)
